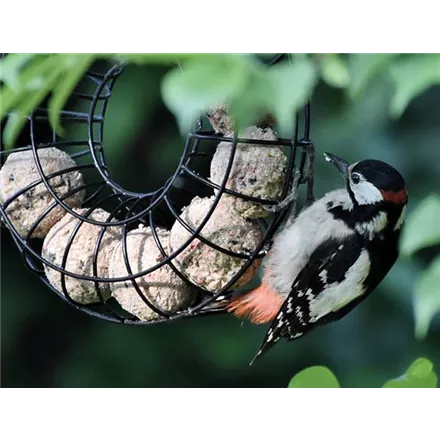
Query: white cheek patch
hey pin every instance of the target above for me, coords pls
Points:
(366, 193)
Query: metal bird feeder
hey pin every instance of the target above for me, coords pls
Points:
(130, 209)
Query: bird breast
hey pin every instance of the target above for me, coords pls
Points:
(294, 245)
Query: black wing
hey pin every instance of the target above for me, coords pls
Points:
(328, 264)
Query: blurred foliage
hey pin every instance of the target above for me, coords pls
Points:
(45, 342)
(314, 377)
(420, 374)
(249, 87)
(247, 84)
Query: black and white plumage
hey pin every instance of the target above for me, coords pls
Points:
(333, 255)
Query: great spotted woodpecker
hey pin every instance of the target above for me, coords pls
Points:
(332, 256)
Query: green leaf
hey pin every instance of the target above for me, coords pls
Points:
(427, 298)
(363, 67)
(155, 58)
(29, 102)
(334, 71)
(254, 100)
(419, 375)
(79, 65)
(10, 67)
(291, 84)
(249, 88)
(29, 80)
(412, 76)
(314, 377)
(422, 228)
(202, 84)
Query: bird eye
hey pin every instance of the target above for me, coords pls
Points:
(355, 178)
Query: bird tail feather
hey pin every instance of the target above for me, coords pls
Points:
(259, 305)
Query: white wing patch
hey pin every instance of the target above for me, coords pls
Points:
(299, 314)
(309, 294)
(376, 225)
(337, 295)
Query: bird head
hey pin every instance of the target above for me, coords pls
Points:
(371, 182)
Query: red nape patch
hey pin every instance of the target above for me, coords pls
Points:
(398, 197)
(260, 305)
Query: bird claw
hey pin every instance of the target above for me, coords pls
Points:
(283, 204)
(291, 197)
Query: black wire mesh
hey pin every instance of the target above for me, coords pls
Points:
(129, 209)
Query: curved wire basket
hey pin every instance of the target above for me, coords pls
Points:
(159, 208)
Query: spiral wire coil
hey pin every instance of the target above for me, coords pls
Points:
(152, 209)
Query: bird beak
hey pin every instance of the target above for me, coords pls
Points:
(339, 163)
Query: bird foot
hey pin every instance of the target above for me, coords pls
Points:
(291, 197)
